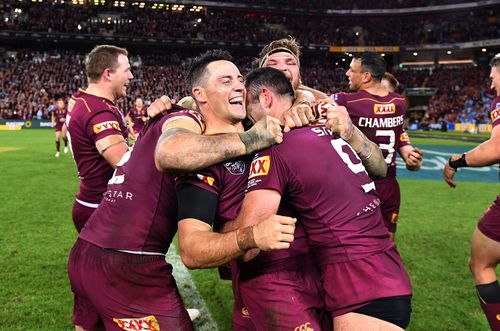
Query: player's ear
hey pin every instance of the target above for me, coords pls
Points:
(107, 74)
(367, 77)
(199, 94)
(266, 97)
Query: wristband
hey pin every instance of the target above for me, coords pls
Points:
(245, 239)
(458, 163)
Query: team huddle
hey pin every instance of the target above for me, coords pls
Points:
(292, 190)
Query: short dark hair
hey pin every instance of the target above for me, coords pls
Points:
(495, 61)
(102, 57)
(373, 63)
(197, 70)
(267, 77)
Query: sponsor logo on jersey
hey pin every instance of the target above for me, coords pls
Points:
(260, 166)
(235, 168)
(100, 127)
(498, 317)
(245, 313)
(394, 218)
(148, 323)
(304, 327)
(206, 179)
(497, 105)
(495, 115)
(404, 137)
(384, 108)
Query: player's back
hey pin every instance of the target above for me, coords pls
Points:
(89, 119)
(380, 118)
(330, 190)
(139, 209)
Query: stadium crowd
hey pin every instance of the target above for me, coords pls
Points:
(223, 25)
(346, 4)
(31, 80)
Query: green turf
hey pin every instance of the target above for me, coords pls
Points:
(36, 233)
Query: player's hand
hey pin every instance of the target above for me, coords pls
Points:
(275, 232)
(160, 106)
(449, 172)
(132, 135)
(264, 133)
(297, 116)
(53, 125)
(339, 121)
(414, 159)
(62, 120)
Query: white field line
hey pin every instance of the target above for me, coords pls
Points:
(189, 292)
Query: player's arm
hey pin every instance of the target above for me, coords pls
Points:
(200, 247)
(317, 95)
(487, 153)
(257, 206)
(339, 121)
(412, 156)
(112, 148)
(182, 147)
(53, 119)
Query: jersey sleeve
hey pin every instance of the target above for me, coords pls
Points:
(204, 179)
(340, 99)
(102, 124)
(495, 112)
(268, 171)
(198, 195)
(193, 114)
(404, 139)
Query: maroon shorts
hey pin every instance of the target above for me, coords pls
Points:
(81, 215)
(59, 126)
(353, 284)
(127, 291)
(241, 320)
(286, 300)
(390, 199)
(489, 224)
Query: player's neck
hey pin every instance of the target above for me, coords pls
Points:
(375, 89)
(100, 91)
(216, 125)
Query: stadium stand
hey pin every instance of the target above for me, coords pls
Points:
(258, 27)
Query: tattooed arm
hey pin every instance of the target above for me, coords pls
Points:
(182, 148)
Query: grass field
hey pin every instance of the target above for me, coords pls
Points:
(36, 234)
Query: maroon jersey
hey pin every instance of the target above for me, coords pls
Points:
(328, 187)
(136, 116)
(228, 181)
(139, 209)
(89, 119)
(380, 119)
(495, 111)
(60, 118)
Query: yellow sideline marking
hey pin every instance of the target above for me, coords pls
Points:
(10, 149)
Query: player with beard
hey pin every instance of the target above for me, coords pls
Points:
(380, 115)
(117, 267)
(327, 187)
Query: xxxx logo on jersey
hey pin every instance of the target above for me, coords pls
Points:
(148, 323)
(384, 108)
(495, 115)
(260, 166)
(100, 127)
